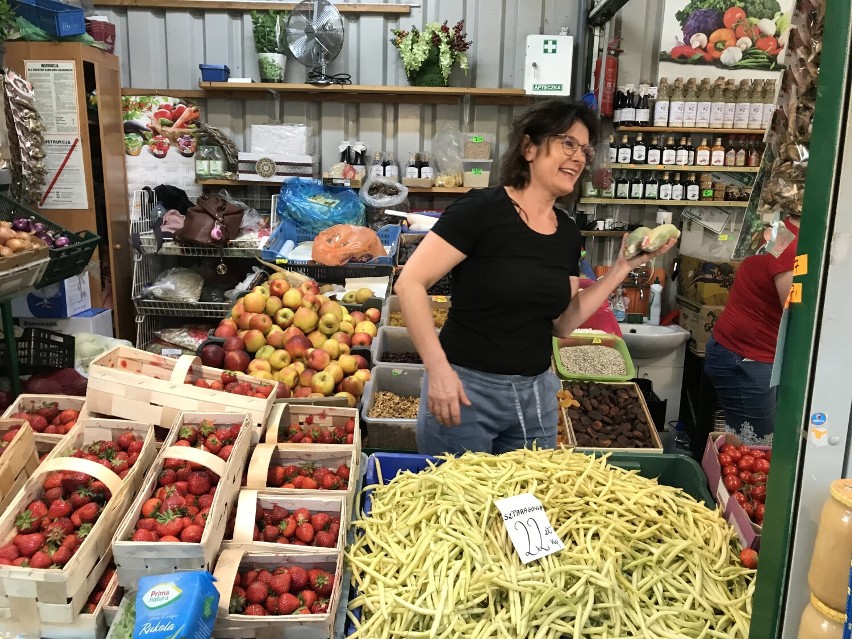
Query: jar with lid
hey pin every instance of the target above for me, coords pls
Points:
(828, 576)
(821, 622)
(718, 191)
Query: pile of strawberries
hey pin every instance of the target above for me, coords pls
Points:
(230, 384)
(98, 593)
(284, 591)
(51, 529)
(309, 433)
(300, 528)
(178, 509)
(48, 419)
(7, 438)
(308, 477)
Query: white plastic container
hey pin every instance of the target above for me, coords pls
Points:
(477, 173)
(656, 303)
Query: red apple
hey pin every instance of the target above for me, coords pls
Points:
(335, 371)
(212, 355)
(309, 286)
(343, 338)
(273, 305)
(234, 344)
(363, 374)
(288, 376)
(357, 316)
(318, 359)
(362, 339)
(298, 346)
(275, 337)
(254, 341)
(292, 331)
(278, 287)
(306, 376)
(259, 365)
(366, 327)
(332, 347)
(351, 400)
(236, 361)
(254, 302)
(292, 299)
(362, 362)
(348, 363)
(244, 320)
(353, 385)
(226, 330)
(302, 391)
(261, 322)
(317, 338)
(373, 315)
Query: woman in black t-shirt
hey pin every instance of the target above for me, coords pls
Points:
(514, 259)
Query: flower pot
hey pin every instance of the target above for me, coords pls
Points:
(271, 66)
(429, 74)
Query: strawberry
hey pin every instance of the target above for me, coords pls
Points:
(21, 561)
(212, 444)
(325, 539)
(225, 453)
(205, 501)
(350, 426)
(257, 592)
(288, 527)
(189, 434)
(143, 535)
(255, 610)
(62, 555)
(288, 604)
(237, 603)
(308, 598)
(202, 383)
(308, 483)
(147, 523)
(305, 533)
(49, 411)
(151, 507)
(9, 552)
(198, 483)
(320, 607)
(87, 513)
(270, 533)
(59, 529)
(343, 472)
(234, 432)
(135, 447)
(173, 502)
(38, 423)
(264, 575)
(27, 523)
(68, 415)
(275, 476)
(321, 582)
(71, 542)
(325, 437)
(217, 385)
(271, 604)
(169, 524)
(249, 578)
(80, 497)
(167, 477)
(52, 494)
(298, 578)
(40, 560)
(331, 482)
(339, 435)
(206, 428)
(229, 377)
(83, 531)
(280, 584)
(124, 440)
(10, 434)
(53, 480)
(192, 534)
(320, 521)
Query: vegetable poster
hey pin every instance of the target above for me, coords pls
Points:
(160, 140)
(734, 38)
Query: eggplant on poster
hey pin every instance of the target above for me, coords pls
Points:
(734, 35)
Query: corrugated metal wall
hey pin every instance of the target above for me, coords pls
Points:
(162, 49)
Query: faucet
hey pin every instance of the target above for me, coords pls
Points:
(633, 281)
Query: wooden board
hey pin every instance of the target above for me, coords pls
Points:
(17, 462)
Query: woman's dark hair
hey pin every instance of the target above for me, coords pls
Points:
(537, 124)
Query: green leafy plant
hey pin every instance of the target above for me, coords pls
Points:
(441, 41)
(268, 31)
(7, 21)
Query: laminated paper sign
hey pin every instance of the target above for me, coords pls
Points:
(66, 174)
(55, 86)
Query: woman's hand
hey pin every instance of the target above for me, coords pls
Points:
(642, 258)
(446, 394)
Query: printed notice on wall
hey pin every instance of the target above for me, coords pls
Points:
(55, 86)
(66, 175)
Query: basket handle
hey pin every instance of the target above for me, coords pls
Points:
(226, 569)
(183, 366)
(272, 423)
(197, 456)
(102, 473)
(244, 521)
(259, 465)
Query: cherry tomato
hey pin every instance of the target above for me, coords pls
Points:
(759, 511)
(748, 558)
(758, 454)
(757, 477)
(758, 493)
(749, 509)
(732, 450)
(745, 476)
(761, 466)
(744, 450)
(733, 483)
(746, 463)
(725, 459)
(767, 455)
(730, 470)
(740, 497)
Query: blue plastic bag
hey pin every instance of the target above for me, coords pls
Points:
(314, 207)
(181, 605)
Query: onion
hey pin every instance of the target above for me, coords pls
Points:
(21, 224)
(38, 227)
(62, 242)
(6, 234)
(45, 237)
(16, 246)
(5, 251)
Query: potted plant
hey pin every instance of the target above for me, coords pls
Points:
(7, 25)
(429, 55)
(268, 31)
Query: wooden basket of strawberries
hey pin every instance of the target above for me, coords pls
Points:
(319, 426)
(178, 519)
(18, 458)
(55, 535)
(91, 623)
(50, 416)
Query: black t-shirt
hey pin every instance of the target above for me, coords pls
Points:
(511, 286)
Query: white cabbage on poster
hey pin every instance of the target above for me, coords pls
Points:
(721, 25)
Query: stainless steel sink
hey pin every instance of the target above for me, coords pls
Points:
(646, 341)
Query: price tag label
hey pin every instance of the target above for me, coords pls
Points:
(439, 298)
(529, 528)
(723, 238)
(597, 340)
(800, 265)
(172, 352)
(477, 138)
(476, 171)
(796, 293)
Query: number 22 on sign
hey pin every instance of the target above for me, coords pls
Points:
(529, 528)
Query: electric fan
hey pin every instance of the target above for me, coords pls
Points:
(315, 37)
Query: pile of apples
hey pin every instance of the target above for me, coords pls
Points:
(299, 337)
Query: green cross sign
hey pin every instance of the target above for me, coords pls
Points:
(550, 46)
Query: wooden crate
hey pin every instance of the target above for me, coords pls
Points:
(249, 499)
(134, 384)
(134, 559)
(84, 626)
(17, 462)
(325, 418)
(247, 626)
(36, 593)
(28, 402)
(90, 430)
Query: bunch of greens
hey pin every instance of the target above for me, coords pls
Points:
(268, 31)
(757, 9)
(7, 20)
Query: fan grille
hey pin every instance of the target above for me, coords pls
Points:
(315, 32)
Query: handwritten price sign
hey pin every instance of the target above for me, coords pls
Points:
(528, 526)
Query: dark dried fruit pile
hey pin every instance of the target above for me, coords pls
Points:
(609, 416)
(401, 358)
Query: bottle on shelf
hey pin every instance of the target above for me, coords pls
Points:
(682, 153)
(624, 151)
(390, 166)
(754, 155)
(730, 114)
(676, 105)
(690, 104)
(717, 154)
(655, 151)
(613, 150)
(359, 158)
(669, 153)
(202, 159)
(218, 165)
(425, 168)
(768, 104)
(742, 154)
(731, 153)
(755, 111)
(705, 105)
(617, 106)
(677, 188)
(622, 187)
(702, 153)
(643, 107)
(628, 111)
(690, 152)
(661, 106)
(664, 189)
(345, 152)
(656, 305)
(639, 153)
(691, 188)
(743, 105)
(637, 187)
(608, 191)
(376, 168)
(651, 187)
(411, 169)
(619, 309)
(589, 188)
(717, 104)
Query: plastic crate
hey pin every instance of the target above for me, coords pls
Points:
(392, 339)
(56, 18)
(593, 339)
(214, 72)
(391, 433)
(64, 262)
(19, 278)
(41, 350)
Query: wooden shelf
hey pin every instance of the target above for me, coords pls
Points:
(361, 93)
(439, 190)
(171, 93)
(602, 233)
(674, 130)
(686, 169)
(236, 183)
(598, 200)
(227, 5)
(435, 191)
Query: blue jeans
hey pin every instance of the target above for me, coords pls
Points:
(742, 386)
(507, 412)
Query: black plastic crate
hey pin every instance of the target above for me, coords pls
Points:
(656, 406)
(41, 351)
(64, 262)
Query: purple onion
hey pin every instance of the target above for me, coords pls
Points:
(21, 224)
(61, 242)
(44, 237)
(38, 227)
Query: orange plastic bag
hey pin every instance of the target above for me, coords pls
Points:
(344, 243)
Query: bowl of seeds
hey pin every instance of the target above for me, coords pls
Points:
(593, 357)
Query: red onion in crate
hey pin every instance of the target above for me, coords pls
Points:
(21, 224)
(61, 242)
(38, 227)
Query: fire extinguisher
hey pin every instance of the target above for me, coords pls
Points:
(606, 94)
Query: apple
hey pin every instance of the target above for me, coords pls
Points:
(306, 376)
(279, 286)
(353, 385)
(373, 315)
(309, 286)
(262, 289)
(347, 327)
(273, 305)
(298, 346)
(261, 322)
(254, 302)
(332, 307)
(244, 320)
(322, 382)
(283, 391)
(242, 333)
(361, 339)
(292, 298)
(309, 300)
(234, 344)
(344, 349)
(213, 355)
(317, 338)
(335, 371)
(292, 331)
(305, 319)
(279, 359)
(299, 366)
(362, 295)
(284, 317)
(329, 323)
(254, 341)
(332, 347)
(363, 374)
(277, 275)
(302, 391)
(238, 310)
(236, 361)
(357, 316)
(351, 400)
(275, 337)
(366, 327)
(348, 297)
(264, 352)
(343, 338)
(226, 330)
(318, 359)
(362, 362)
(288, 376)
(348, 363)
(259, 365)
(265, 375)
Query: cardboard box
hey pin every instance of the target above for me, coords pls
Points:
(61, 300)
(699, 320)
(102, 31)
(264, 167)
(97, 321)
(352, 183)
(705, 281)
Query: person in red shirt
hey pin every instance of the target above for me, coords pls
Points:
(741, 349)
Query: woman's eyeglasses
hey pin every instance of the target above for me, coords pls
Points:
(570, 146)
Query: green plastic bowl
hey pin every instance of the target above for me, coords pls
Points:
(593, 339)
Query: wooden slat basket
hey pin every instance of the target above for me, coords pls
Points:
(85, 625)
(17, 462)
(29, 402)
(322, 417)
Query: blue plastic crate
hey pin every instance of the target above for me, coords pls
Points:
(56, 18)
(214, 72)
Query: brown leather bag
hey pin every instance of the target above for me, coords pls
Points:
(211, 222)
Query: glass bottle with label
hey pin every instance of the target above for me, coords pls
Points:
(202, 159)
(589, 188)
(624, 151)
(613, 150)
(376, 168)
(637, 187)
(731, 153)
(754, 156)
(702, 153)
(742, 154)
(640, 151)
(677, 188)
(618, 104)
(651, 188)
(655, 152)
(743, 105)
(426, 168)
(676, 105)
(411, 170)
(717, 104)
(768, 104)
(218, 165)
(622, 187)
(828, 576)
(690, 152)
(730, 115)
(681, 153)
(661, 107)
(609, 190)
(755, 111)
(665, 187)
(669, 154)
(717, 154)
(628, 111)
(359, 158)
(690, 104)
(705, 104)
(691, 188)
(390, 165)
(643, 107)
(345, 152)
